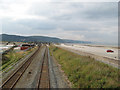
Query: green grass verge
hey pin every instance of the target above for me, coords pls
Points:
(85, 72)
(13, 57)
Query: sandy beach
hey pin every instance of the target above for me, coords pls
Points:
(94, 49)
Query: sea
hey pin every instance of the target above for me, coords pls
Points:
(96, 44)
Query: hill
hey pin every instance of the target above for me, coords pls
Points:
(16, 38)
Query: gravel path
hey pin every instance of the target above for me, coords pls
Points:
(57, 78)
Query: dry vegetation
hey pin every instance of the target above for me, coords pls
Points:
(85, 72)
(12, 57)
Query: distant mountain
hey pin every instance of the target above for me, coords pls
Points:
(16, 38)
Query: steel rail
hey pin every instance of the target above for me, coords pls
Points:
(44, 78)
(13, 79)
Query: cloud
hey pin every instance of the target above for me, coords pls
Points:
(92, 21)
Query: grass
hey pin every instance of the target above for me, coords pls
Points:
(13, 57)
(85, 72)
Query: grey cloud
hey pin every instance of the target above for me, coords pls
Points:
(94, 11)
(37, 24)
(103, 10)
(93, 21)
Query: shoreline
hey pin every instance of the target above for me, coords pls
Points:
(93, 45)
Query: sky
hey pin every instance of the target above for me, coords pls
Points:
(95, 20)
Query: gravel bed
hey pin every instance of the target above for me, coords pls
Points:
(57, 77)
(31, 76)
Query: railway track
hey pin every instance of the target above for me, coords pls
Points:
(44, 78)
(13, 79)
